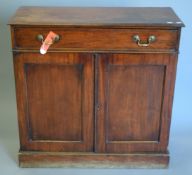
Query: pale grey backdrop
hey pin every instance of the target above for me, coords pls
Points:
(181, 129)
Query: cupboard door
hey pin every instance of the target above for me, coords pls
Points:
(134, 102)
(55, 101)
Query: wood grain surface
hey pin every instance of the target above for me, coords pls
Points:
(97, 98)
(96, 16)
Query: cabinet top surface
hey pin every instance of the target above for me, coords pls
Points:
(96, 16)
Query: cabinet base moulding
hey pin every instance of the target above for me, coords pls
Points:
(92, 160)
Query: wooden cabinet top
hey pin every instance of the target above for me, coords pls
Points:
(97, 16)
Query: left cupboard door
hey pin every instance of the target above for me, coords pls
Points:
(55, 101)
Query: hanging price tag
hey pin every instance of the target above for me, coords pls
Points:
(49, 40)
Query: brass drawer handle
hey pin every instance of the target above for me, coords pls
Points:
(140, 43)
(54, 40)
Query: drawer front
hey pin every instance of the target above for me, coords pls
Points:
(96, 39)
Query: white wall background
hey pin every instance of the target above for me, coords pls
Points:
(181, 129)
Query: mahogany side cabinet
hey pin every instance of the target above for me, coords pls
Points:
(102, 94)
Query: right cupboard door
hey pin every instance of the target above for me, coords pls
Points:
(134, 101)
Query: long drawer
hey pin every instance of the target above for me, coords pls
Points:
(97, 39)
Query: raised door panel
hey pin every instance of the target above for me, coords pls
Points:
(133, 102)
(55, 101)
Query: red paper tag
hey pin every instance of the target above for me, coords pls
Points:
(47, 42)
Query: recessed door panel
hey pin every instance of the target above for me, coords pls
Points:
(134, 96)
(55, 101)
